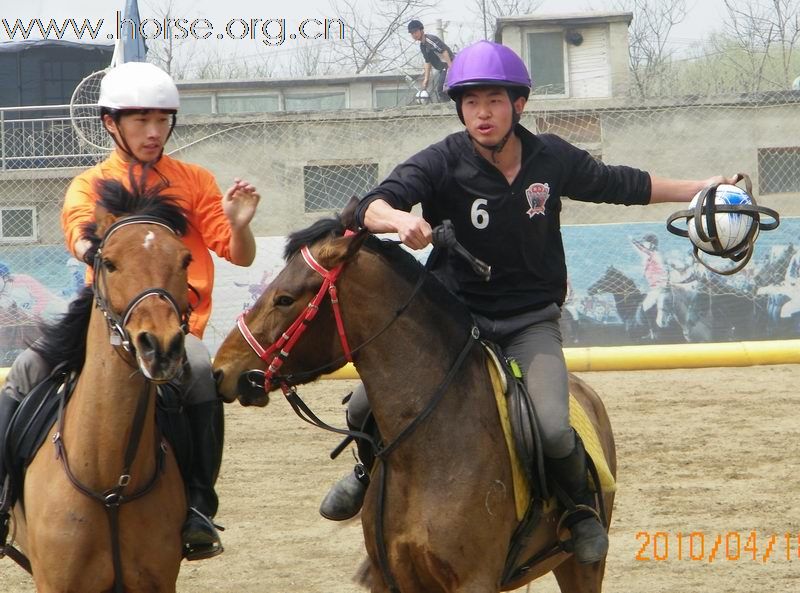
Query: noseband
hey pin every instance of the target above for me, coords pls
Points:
(118, 334)
(284, 345)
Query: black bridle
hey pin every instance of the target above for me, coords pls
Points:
(119, 337)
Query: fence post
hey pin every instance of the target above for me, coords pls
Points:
(2, 139)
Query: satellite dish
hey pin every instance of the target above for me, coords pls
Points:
(796, 84)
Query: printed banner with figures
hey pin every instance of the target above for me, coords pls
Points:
(640, 285)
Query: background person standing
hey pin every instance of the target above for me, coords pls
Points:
(438, 57)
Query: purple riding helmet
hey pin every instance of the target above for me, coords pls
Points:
(488, 64)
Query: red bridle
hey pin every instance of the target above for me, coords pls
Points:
(283, 345)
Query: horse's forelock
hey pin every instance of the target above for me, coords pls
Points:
(321, 228)
(120, 201)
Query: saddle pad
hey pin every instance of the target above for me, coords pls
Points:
(578, 419)
(522, 491)
(591, 442)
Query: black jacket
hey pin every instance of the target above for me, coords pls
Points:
(431, 46)
(514, 228)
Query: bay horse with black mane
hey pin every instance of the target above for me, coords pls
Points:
(439, 516)
(103, 499)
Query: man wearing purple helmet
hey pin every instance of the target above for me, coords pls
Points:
(502, 187)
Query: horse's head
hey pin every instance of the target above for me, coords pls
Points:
(605, 283)
(298, 300)
(140, 276)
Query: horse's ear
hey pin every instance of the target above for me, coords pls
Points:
(348, 214)
(341, 249)
(104, 219)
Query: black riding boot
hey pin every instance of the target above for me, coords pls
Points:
(345, 498)
(8, 405)
(200, 537)
(589, 537)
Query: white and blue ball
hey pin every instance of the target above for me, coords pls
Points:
(732, 227)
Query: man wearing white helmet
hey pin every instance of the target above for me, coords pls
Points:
(138, 104)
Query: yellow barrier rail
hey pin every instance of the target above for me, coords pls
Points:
(655, 357)
(668, 356)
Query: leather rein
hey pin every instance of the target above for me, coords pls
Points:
(119, 337)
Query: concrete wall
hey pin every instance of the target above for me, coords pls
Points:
(678, 141)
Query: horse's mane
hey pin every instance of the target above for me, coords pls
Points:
(400, 260)
(120, 201)
(64, 340)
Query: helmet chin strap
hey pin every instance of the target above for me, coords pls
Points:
(123, 145)
(495, 149)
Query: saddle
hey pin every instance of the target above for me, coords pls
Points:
(520, 427)
(38, 412)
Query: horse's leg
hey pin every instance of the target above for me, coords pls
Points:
(435, 576)
(574, 577)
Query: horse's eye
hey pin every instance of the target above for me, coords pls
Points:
(186, 261)
(283, 300)
(109, 265)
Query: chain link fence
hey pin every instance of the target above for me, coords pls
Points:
(308, 165)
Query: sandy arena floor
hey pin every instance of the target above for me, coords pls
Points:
(702, 453)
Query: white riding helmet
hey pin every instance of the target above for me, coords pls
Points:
(138, 85)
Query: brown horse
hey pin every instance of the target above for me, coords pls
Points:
(448, 507)
(103, 500)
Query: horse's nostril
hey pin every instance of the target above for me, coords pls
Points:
(175, 348)
(147, 345)
(219, 376)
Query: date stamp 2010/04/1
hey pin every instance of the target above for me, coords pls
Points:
(728, 546)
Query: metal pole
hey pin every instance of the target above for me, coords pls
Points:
(483, 10)
(2, 139)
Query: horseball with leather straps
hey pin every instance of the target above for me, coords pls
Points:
(724, 221)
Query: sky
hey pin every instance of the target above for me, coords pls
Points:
(458, 20)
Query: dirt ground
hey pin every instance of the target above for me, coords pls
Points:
(702, 453)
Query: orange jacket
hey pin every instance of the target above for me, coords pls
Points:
(196, 192)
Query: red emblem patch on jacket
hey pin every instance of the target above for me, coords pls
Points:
(537, 195)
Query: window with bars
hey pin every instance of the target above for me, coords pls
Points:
(316, 101)
(779, 170)
(17, 225)
(393, 97)
(195, 104)
(330, 187)
(247, 103)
